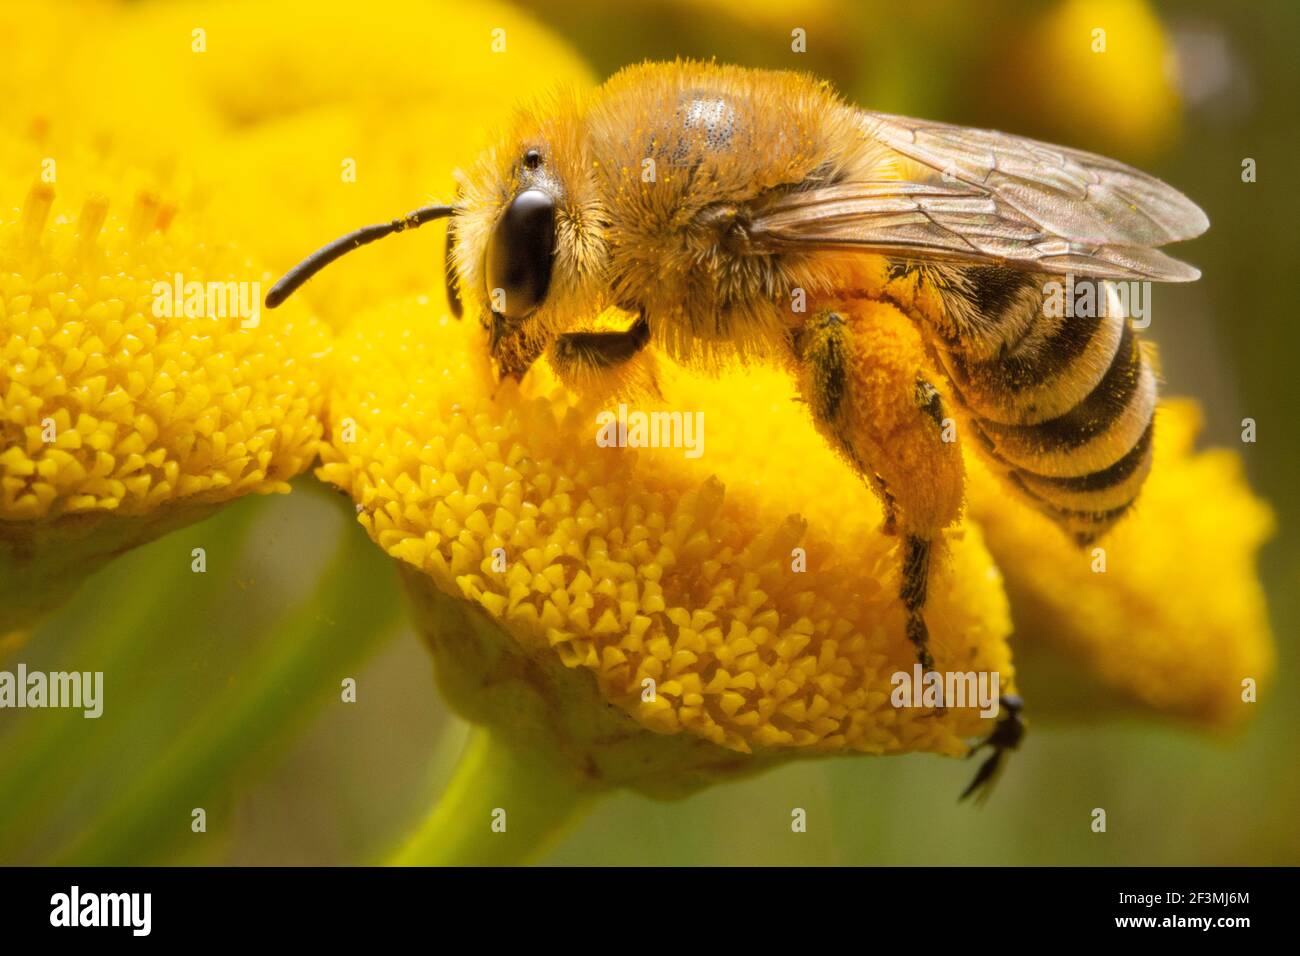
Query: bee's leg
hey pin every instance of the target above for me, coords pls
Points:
(601, 349)
(916, 577)
(890, 525)
(862, 369)
(1006, 736)
(606, 363)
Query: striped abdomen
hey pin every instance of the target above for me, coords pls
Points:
(1062, 404)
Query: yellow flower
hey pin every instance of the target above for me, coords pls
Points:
(126, 408)
(1166, 611)
(598, 574)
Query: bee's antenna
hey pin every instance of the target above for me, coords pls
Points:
(323, 256)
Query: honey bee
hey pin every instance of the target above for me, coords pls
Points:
(897, 268)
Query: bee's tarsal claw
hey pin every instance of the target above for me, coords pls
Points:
(1006, 736)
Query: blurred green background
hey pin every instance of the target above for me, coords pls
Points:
(225, 689)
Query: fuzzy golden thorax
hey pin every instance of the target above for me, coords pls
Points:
(683, 148)
(651, 177)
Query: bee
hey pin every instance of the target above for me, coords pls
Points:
(899, 269)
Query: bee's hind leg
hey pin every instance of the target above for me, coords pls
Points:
(863, 371)
(890, 525)
(916, 578)
(1006, 736)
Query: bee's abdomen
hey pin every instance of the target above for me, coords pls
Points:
(1065, 411)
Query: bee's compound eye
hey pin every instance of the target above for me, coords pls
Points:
(519, 254)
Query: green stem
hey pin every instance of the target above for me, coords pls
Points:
(539, 797)
(352, 611)
(119, 628)
(43, 564)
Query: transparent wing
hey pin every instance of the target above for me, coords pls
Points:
(1075, 195)
(989, 196)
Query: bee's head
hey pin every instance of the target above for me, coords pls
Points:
(525, 245)
(507, 252)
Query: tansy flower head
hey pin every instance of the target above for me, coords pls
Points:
(141, 384)
(650, 615)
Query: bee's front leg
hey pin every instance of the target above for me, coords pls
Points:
(604, 363)
(862, 369)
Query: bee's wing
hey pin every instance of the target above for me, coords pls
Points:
(986, 196)
(1072, 194)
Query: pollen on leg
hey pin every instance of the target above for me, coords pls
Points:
(929, 401)
(822, 348)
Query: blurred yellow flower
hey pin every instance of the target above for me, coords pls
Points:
(1168, 612)
(370, 114)
(369, 117)
(1094, 73)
